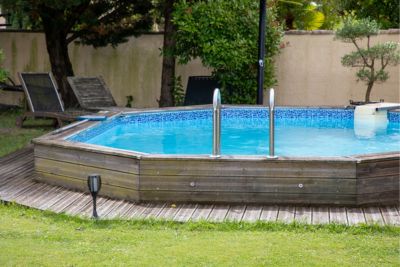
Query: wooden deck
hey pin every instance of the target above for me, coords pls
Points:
(17, 184)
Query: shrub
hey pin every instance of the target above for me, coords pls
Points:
(3, 72)
(224, 34)
(371, 61)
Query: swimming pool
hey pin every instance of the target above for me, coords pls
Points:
(164, 155)
(299, 132)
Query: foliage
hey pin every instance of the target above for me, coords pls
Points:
(178, 91)
(97, 23)
(50, 239)
(308, 15)
(3, 72)
(371, 60)
(129, 101)
(384, 12)
(224, 34)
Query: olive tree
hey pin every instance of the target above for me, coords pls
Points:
(370, 60)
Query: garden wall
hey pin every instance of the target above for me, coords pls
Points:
(308, 68)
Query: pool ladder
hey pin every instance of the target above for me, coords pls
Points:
(216, 141)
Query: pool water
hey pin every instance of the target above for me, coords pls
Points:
(321, 132)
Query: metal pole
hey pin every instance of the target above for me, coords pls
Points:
(261, 51)
(216, 149)
(272, 123)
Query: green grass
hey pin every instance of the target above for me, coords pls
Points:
(13, 138)
(33, 238)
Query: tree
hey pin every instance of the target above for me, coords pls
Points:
(168, 63)
(223, 34)
(96, 23)
(385, 12)
(371, 60)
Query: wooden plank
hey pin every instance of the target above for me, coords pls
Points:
(50, 193)
(248, 197)
(168, 213)
(84, 201)
(155, 210)
(320, 215)
(123, 210)
(235, 213)
(243, 168)
(87, 211)
(81, 172)
(378, 184)
(303, 185)
(378, 168)
(35, 191)
(303, 215)
(286, 214)
(386, 198)
(338, 215)
(355, 216)
(105, 208)
(92, 159)
(269, 213)
(373, 215)
(54, 199)
(252, 213)
(202, 212)
(11, 192)
(118, 209)
(185, 212)
(218, 213)
(390, 215)
(131, 206)
(67, 199)
(81, 185)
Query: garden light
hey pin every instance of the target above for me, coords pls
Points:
(94, 184)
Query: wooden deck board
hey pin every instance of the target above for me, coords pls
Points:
(373, 216)
(269, 213)
(320, 215)
(338, 215)
(235, 213)
(17, 184)
(202, 212)
(286, 214)
(252, 214)
(184, 214)
(390, 215)
(303, 215)
(355, 216)
(218, 213)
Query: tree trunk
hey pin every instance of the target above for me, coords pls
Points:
(168, 65)
(61, 67)
(368, 93)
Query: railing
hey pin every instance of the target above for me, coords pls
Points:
(216, 141)
(272, 124)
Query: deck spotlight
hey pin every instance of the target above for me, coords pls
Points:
(94, 184)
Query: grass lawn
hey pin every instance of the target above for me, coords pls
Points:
(33, 238)
(13, 138)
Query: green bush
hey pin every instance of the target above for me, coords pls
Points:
(3, 72)
(224, 34)
(372, 60)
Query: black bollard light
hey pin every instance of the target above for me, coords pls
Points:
(94, 184)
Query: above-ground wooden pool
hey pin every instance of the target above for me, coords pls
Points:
(363, 179)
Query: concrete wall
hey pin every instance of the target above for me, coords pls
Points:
(308, 69)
